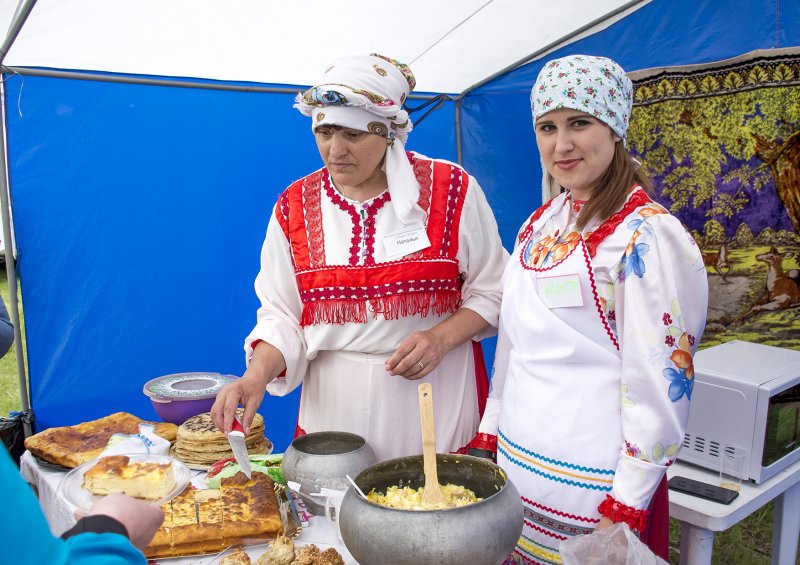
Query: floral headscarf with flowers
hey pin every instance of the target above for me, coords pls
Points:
(367, 92)
(595, 85)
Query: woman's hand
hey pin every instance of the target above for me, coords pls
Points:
(266, 363)
(421, 352)
(417, 355)
(248, 391)
(141, 519)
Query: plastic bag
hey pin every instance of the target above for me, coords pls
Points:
(13, 433)
(616, 545)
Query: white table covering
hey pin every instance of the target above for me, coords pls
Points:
(59, 514)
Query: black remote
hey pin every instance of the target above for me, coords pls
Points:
(703, 490)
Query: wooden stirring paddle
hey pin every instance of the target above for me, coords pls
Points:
(433, 492)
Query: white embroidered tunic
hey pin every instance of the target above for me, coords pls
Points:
(593, 372)
(337, 305)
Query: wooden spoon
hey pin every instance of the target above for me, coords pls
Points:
(433, 492)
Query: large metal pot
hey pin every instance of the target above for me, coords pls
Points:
(483, 533)
(322, 460)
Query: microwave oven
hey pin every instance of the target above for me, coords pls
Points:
(747, 396)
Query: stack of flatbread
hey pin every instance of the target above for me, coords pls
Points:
(201, 443)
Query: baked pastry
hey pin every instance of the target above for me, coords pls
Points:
(200, 443)
(116, 473)
(72, 446)
(207, 521)
(238, 557)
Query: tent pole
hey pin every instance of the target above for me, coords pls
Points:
(127, 79)
(23, 11)
(459, 156)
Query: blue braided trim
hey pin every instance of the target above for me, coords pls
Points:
(555, 461)
(551, 477)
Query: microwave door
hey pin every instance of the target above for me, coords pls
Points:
(782, 434)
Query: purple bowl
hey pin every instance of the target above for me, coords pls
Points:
(178, 397)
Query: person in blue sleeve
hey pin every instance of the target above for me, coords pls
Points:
(6, 329)
(112, 533)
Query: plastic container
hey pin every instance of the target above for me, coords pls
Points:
(178, 397)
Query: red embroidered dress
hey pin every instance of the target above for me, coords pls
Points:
(336, 304)
(426, 281)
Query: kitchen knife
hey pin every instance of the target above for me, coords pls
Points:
(236, 439)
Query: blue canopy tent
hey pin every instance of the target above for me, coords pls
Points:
(140, 197)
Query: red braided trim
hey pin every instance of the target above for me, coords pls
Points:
(559, 513)
(618, 512)
(483, 441)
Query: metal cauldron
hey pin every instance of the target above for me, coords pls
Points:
(483, 533)
(321, 460)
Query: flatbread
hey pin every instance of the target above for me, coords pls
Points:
(206, 521)
(72, 446)
(200, 443)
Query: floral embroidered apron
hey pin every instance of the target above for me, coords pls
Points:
(559, 432)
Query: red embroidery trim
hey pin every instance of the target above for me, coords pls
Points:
(424, 173)
(597, 299)
(638, 197)
(345, 206)
(342, 311)
(559, 513)
(452, 203)
(313, 218)
(369, 225)
(618, 512)
(545, 532)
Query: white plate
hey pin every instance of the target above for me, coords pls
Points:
(71, 486)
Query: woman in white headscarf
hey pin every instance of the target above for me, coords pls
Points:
(604, 303)
(377, 272)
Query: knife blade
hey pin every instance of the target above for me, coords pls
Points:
(236, 439)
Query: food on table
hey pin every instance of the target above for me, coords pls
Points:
(199, 442)
(269, 464)
(407, 498)
(72, 446)
(238, 557)
(283, 552)
(116, 473)
(207, 521)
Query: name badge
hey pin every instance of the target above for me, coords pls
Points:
(405, 241)
(562, 291)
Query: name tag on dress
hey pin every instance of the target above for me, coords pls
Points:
(405, 241)
(562, 291)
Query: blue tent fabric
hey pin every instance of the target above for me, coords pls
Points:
(140, 210)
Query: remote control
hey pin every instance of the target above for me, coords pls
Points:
(703, 490)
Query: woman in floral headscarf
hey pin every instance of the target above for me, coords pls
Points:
(604, 302)
(377, 271)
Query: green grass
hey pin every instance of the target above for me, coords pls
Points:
(747, 543)
(9, 382)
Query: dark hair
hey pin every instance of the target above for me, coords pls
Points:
(611, 188)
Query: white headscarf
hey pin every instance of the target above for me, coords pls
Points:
(367, 92)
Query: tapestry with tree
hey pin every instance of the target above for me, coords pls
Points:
(722, 144)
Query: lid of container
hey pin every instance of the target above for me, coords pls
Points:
(187, 386)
